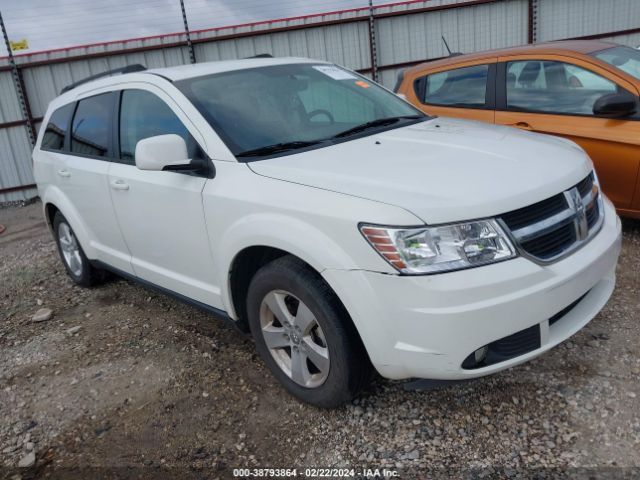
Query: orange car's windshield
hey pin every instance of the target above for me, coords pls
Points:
(626, 59)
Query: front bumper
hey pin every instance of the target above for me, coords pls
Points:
(426, 326)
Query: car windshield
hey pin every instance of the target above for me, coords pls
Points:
(625, 58)
(276, 110)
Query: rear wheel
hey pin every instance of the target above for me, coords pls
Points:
(73, 258)
(304, 334)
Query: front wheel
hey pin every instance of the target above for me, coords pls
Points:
(304, 334)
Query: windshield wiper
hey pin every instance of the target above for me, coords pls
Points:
(380, 122)
(277, 147)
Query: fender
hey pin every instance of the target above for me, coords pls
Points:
(262, 230)
(55, 196)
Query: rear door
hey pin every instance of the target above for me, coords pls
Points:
(161, 213)
(555, 95)
(82, 175)
(464, 92)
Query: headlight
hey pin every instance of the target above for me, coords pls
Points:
(440, 248)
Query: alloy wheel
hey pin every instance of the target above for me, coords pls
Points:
(70, 249)
(294, 338)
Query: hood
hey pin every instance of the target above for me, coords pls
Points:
(442, 170)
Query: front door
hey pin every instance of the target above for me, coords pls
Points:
(161, 213)
(557, 97)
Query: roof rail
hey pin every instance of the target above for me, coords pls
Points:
(128, 69)
(260, 55)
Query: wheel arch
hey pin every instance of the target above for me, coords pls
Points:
(248, 262)
(54, 201)
(261, 236)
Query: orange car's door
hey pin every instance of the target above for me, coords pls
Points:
(555, 95)
(466, 91)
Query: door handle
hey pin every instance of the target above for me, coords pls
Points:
(119, 185)
(523, 125)
(64, 173)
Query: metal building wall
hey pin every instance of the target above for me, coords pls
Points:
(558, 19)
(406, 33)
(43, 83)
(414, 38)
(631, 39)
(346, 44)
(15, 150)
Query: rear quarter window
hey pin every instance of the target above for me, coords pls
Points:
(56, 130)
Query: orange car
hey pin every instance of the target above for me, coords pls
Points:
(584, 90)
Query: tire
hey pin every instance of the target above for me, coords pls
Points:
(304, 334)
(73, 258)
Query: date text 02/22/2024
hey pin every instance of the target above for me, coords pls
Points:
(314, 473)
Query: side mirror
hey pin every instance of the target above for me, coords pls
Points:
(162, 152)
(169, 153)
(615, 105)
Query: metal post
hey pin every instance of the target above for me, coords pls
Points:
(533, 21)
(18, 85)
(192, 54)
(372, 43)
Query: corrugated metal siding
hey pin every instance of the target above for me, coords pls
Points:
(400, 39)
(276, 24)
(346, 44)
(466, 29)
(15, 150)
(632, 39)
(577, 18)
(98, 49)
(9, 106)
(389, 77)
(15, 163)
(44, 83)
(382, 7)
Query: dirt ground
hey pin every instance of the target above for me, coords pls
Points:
(148, 387)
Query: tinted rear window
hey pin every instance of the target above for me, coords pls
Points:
(57, 127)
(90, 131)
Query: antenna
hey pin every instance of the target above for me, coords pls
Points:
(446, 45)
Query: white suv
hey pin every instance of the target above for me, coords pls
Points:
(345, 229)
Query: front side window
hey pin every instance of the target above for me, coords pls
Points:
(625, 58)
(462, 87)
(554, 87)
(279, 109)
(144, 115)
(56, 131)
(90, 130)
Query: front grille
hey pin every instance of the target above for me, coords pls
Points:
(536, 212)
(593, 214)
(551, 244)
(548, 230)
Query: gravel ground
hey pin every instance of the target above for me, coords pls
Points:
(125, 383)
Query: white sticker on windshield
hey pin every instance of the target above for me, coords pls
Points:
(335, 72)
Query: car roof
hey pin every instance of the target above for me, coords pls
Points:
(558, 47)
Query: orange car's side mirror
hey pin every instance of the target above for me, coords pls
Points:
(616, 105)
